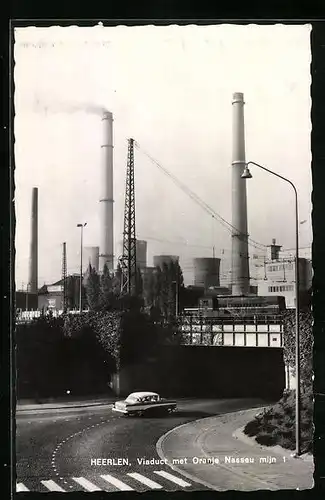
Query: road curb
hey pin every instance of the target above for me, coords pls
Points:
(189, 476)
(241, 436)
(42, 406)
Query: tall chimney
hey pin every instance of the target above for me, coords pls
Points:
(106, 241)
(33, 256)
(240, 265)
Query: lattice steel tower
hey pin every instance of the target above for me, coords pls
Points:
(128, 260)
(64, 277)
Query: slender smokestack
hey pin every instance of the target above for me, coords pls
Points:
(240, 265)
(33, 256)
(106, 241)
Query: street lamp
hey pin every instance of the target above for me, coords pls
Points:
(80, 285)
(247, 175)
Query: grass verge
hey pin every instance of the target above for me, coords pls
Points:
(276, 425)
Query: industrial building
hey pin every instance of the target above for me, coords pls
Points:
(51, 296)
(277, 276)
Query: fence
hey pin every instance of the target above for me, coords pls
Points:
(28, 316)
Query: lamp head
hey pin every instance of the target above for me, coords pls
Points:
(246, 173)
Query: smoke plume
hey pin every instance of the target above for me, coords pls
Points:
(56, 106)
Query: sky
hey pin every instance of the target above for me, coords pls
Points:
(170, 88)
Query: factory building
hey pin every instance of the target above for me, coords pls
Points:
(51, 296)
(277, 276)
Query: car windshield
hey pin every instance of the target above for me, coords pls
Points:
(131, 399)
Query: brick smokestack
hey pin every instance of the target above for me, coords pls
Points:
(106, 243)
(240, 265)
(33, 256)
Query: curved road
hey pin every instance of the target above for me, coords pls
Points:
(58, 450)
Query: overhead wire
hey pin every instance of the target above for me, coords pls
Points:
(198, 200)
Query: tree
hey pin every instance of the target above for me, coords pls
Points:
(106, 289)
(117, 281)
(139, 283)
(73, 291)
(164, 286)
(92, 288)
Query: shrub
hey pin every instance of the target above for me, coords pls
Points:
(278, 423)
(306, 344)
(266, 439)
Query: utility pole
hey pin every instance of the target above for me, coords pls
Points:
(129, 260)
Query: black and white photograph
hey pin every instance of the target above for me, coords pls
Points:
(163, 257)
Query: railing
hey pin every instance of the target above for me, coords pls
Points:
(28, 316)
(235, 332)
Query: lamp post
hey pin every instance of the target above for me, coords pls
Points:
(80, 285)
(247, 175)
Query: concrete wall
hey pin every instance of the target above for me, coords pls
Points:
(26, 300)
(199, 371)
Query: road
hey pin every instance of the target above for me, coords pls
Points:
(58, 449)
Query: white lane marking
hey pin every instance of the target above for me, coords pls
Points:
(86, 484)
(172, 478)
(116, 482)
(144, 480)
(21, 487)
(52, 486)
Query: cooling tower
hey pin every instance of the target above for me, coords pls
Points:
(141, 249)
(240, 265)
(33, 256)
(90, 256)
(106, 241)
(160, 260)
(206, 272)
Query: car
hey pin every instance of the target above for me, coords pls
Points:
(144, 403)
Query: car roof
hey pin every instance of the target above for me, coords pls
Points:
(142, 394)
